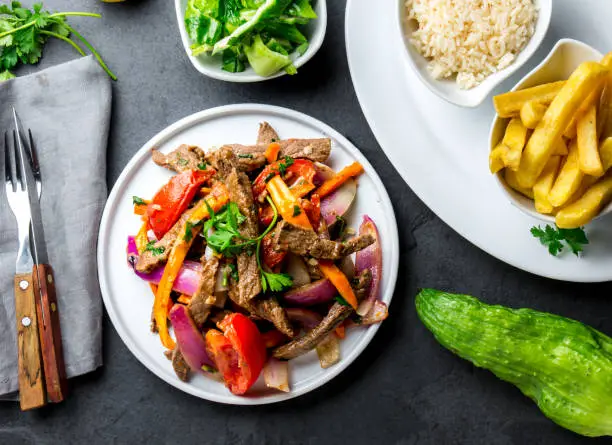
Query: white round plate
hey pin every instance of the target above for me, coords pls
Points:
(128, 299)
(442, 151)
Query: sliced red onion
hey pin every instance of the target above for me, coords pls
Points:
(339, 202)
(377, 313)
(187, 280)
(276, 374)
(189, 339)
(305, 317)
(323, 173)
(369, 258)
(320, 291)
(329, 351)
(298, 270)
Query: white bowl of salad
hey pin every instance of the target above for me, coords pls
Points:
(251, 40)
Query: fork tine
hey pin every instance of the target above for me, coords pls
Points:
(10, 168)
(34, 156)
(20, 172)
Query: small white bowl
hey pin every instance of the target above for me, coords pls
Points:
(563, 59)
(448, 89)
(211, 65)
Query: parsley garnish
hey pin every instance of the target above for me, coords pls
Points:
(181, 161)
(230, 270)
(221, 232)
(155, 250)
(296, 210)
(553, 238)
(270, 176)
(24, 32)
(202, 166)
(246, 156)
(138, 201)
(282, 167)
(273, 139)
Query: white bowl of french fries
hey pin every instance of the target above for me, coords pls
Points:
(551, 139)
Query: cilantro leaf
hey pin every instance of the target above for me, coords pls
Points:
(138, 201)
(275, 282)
(282, 167)
(553, 238)
(155, 250)
(341, 301)
(202, 166)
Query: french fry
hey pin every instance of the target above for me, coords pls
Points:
(607, 60)
(542, 187)
(496, 158)
(568, 180)
(604, 112)
(532, 113)
(514, 138)
(510, 178)
(510, 104)
(587, 77)
(588, 150)
(588, 206)
(560, 148)
(605, 153)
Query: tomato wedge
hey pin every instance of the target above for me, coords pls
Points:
(239, 352)
(173, 199)
(271, 257)
(301, 171)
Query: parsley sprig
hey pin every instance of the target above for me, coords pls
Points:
(24, 32)
(554, 238)
(222, 234)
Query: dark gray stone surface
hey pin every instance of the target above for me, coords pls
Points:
(404, 389)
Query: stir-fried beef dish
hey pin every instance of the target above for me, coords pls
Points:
(244, 272)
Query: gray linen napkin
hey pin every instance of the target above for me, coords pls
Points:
(67, 108)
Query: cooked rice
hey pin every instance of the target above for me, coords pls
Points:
(471, 39)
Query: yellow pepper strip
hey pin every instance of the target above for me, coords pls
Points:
(588, 77)
(588, 207)
(218, 197)
(287, 204)
(339, 280)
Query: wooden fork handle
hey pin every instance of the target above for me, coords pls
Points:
(31, 385)
(50, 333)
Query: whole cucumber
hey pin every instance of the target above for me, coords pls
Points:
(563, 365)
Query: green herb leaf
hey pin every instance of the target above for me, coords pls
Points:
(341, 301)
(155, 250)
(138, 201)
(282, 167)
(553, 238)
(275, 282)
(245, 156)
(202, 166)
(296, 210)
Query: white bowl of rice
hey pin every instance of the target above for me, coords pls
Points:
(462, 49)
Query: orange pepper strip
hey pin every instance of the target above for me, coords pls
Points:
(332, 184)
(288, 205)
(340, 331)
(184, 299)
(140, 209)
(272, 151)
(217, 198)
(339, 280)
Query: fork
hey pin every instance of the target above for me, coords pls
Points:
(31, 381)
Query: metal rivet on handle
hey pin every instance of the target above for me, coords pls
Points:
(26, 321)
(50, 278)
(23, 284)
(53, 307)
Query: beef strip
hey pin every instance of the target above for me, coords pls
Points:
(185, 157)
(180, 366)
(251, 157)
(147, 261)
(308, 243)
(266, 134)
(336, 315)
(270, 310)
(204, 299)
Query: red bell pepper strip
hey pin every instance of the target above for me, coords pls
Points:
(313, 210)
(239, 352)
(301, 169)
(172, 199)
